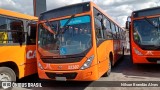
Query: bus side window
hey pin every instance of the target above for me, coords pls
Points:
(113, 31)
(3, 34)
(98, 26)
(17, 31)
(3, 24)
(98, 29)
(117, 32)
(107, 31)
(12, 31)
(120, 33)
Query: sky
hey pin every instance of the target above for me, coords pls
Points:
(117, 9)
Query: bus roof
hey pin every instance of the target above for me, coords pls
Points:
(66, 6)
(146, 12)
(80, 8)
(65, 11)
(16, 14)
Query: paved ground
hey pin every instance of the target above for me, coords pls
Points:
(124, 70)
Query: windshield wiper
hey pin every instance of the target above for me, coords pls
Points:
(48, 27)
(150, 22)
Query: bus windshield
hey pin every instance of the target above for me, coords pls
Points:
(147, 33)
(73, 37)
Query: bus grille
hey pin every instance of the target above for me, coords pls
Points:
(61, 60)
(67, 75)
(153, 59)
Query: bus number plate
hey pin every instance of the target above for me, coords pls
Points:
(60, 78)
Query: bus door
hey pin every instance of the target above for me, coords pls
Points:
(31, 66)
(31, 43)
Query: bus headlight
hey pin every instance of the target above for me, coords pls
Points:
(87, 63)
(40, 66)
(137, 52)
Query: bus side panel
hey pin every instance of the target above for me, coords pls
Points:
(103, 51)
(30, 66)
(17, 55)
(116, 50)
(142, 59)
(13, 54)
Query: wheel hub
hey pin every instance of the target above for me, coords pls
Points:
(4, 77)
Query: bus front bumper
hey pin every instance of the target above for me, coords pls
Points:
(146, 59)
(89, 74)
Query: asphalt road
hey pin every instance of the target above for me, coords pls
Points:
(124, 70)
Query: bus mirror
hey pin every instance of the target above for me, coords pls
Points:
(29, 30)
(127, 24)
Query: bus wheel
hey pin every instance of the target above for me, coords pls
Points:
(7, 74)
(109, 69)
(123, 52)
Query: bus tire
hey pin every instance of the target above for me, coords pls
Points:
(111, 59)
(109, 70)
(7, 74)
(123, 51)
(122, 54)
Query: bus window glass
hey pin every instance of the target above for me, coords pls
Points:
(121, 33)
(98, 27)
(31, 39)
(107, 31)
(16, 34)
(146, 33)
(11, 31)
(117, 32)
(3, 26)
(113, 30)
(73, 38)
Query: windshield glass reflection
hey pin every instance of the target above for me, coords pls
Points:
(70, 39)
(147, 33)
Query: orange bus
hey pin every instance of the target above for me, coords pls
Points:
(17, 45)
(144, 27)
(77, 42)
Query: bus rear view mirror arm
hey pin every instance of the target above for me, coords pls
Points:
(128, 22)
